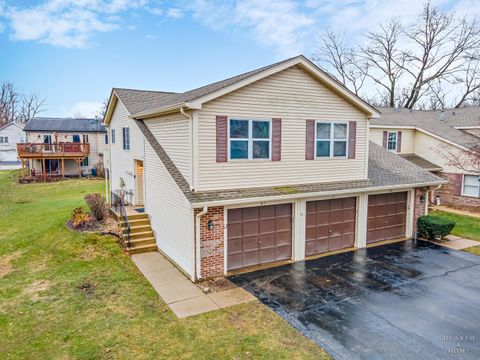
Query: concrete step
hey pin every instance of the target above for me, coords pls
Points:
(141, 242)
(141, 249)
(141, 235)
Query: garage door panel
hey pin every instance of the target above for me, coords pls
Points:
(334, 225)
(258, 235)
(310, 233)
(386, 216)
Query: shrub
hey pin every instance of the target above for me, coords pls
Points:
(81, 219)
(434, 227)
(96, 204)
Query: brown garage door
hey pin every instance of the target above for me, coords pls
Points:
(387, 214)
(258, 235)
(330, 225)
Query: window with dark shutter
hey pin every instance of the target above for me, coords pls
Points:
(310, 140)
(126, 138)
(352, 139)
(221, 141)
(276, 139)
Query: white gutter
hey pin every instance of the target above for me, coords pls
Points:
(310, 194)
(192, 170)
(198, 259)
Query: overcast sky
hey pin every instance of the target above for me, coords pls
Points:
(73, 52)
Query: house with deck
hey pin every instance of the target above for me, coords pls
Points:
(10, 134)
(430, 139)
(271, 166)
(60, 147)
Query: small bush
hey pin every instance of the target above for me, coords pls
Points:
(433, 227)
(96, 204)
(81, 219)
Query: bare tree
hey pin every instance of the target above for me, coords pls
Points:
(386, 61)
(441, 43)
(18, 107)
(466, 160)
(469, 80)
(342, 60)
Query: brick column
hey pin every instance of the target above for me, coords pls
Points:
(212, 242)
(419, 207)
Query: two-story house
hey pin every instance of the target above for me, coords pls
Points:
(266, 167)
(438, 141)
(10, 134)
(58, 147)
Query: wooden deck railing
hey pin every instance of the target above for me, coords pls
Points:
(59, 150)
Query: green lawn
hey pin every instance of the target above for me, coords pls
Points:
(65, 295)
(474, 250)
(465, 226)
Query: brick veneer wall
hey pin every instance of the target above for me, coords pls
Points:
(448, 197)
(212, 242)
(419, 207)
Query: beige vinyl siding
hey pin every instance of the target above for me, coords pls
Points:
(173, 133)
(293, 96)
(170, 213)
(436, 151)
(122, 165)
(408, 138)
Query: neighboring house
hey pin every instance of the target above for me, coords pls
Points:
(269, 166)
(427, 138)
(63, 147)
(10, 134)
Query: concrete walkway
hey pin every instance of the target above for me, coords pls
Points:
(457, 243)
(182, 296)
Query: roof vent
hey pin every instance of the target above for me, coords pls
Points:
(442, 115)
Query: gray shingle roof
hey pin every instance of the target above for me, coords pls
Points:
(142, 100)
(419, 161)
(430, 121)
(65, 125)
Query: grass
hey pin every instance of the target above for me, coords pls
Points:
(465, 226)
(473, 250)
(65, 295)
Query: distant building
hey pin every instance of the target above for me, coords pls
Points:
(63, 147)
(10, 134)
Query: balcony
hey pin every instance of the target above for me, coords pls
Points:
(66, 150)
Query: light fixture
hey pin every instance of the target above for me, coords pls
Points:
(210, 225)
(422, 199)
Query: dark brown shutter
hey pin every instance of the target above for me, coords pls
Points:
(385, 139)
(276, 139)
(222, 152)
(457, 184)
(399, 142)
(310, 140)
(352, 137)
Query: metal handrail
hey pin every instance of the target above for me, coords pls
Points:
(118, 204)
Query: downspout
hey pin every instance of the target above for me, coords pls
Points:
(197, 242)
(192, 171)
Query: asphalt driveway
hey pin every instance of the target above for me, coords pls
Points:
(409, 300)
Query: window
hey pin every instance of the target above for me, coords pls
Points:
(85, 138)
(126, 138)
(84, 162)
(106, 138)
(249, 139)
(113, 136)
(331, 139)
(76, 138)
(3, 139)
(392, 140)
(471, 185)
(47, 139)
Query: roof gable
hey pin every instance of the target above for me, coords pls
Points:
(11, 124)
(154, 103)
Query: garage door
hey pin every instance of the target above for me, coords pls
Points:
(330, 225)
(387, 215)
(258, 235)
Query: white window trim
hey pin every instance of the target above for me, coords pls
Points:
(463, 186)
(331, 140)
(250, 139)
(396, 140)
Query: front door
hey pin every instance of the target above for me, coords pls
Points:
(139, 183)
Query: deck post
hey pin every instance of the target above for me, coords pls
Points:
(63, 167)
(79, 168)
(23, 168)
(44, 170)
